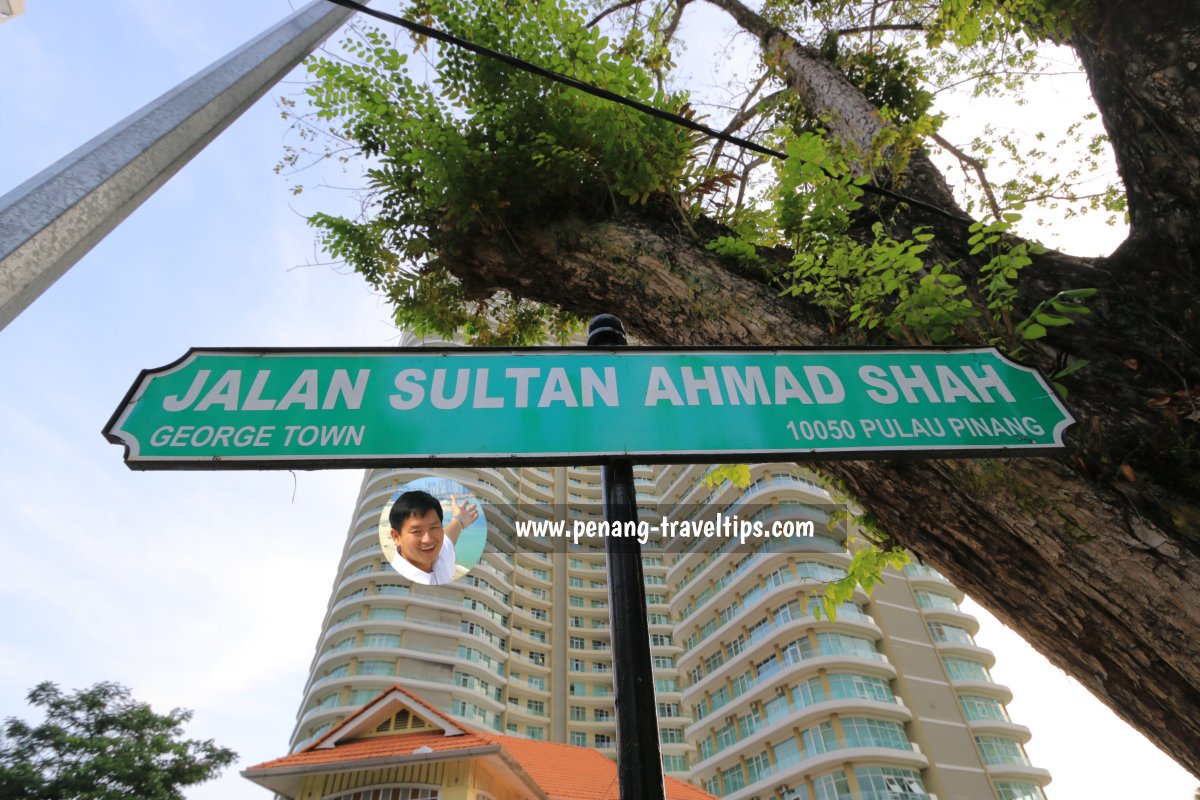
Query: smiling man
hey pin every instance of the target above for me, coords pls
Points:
(424, 547)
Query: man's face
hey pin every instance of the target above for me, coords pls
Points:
(419, 539)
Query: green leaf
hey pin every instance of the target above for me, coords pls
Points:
(1070, 369)
(1033, 331)
(1052, 321)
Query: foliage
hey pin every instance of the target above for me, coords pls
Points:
(737, 474)
(484, 148)
(100, 744)
(885, 289)
(458, 155)
(866, 569)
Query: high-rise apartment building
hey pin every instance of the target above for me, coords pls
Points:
(758, 696)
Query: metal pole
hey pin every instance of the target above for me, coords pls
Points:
(639, 764)
(49, 222)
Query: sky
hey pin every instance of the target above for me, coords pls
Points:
(206, 590)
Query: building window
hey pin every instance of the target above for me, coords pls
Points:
(601, 715)
(944, 632)
(996, 750)
(376, 668)
(843, 644)
(787, 753)
(757, 767)
(578, 714)
(660, 640)
(1016, 790)
(603, 741)
(576, 689)
(664, 662)
(577, 665)
(862, 732)
(927, 599)
(536, 732)
(819, 739)
(964, 669)
(976, 708)
(388, 793)
(833, 786)
(578, 738)
(844, 687)
(576, 643)
(725, 737)
(889, 782)
(668, 710)
(671, 735)
(732, 779)
(675, 763)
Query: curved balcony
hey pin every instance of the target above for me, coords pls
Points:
(772, 725)
(967, 650)
(1023, 772)
(761, 644)
(886, 756)
(952, 616)
(983, 687)
(922, 576)
(766, 686)
(752, 572)
(999, 727)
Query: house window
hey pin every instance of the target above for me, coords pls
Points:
(388, 793)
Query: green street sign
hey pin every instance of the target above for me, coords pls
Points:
(283, 408)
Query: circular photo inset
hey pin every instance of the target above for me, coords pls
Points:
(432, 531)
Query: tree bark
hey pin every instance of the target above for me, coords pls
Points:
(1093, 556)
(1058, 551)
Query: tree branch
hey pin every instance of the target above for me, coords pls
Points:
(743, 115)
(895, 26)
(976, 166)
(613, 10)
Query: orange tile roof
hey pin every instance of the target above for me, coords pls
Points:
(564, 772)
(567, 772)
(401, 744)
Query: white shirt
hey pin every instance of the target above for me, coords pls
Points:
(443, 567)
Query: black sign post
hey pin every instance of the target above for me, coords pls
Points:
(639, 764)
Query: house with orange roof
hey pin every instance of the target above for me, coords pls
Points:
(398, 747)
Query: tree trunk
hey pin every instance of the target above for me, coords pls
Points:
(1094, 556)
(1057, 548)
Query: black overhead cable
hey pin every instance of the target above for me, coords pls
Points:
(596, 91)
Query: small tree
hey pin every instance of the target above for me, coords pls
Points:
(101, 744)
